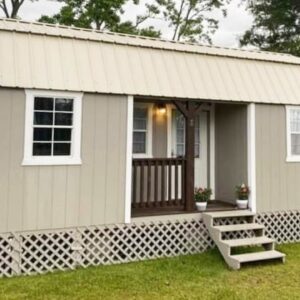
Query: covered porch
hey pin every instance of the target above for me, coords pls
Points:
(179, 145)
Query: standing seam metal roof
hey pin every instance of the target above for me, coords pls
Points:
(45, 56)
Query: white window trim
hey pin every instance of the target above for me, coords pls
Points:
(149, 131)
(290, 157)
(75, 157)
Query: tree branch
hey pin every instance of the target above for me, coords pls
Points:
(3, 6)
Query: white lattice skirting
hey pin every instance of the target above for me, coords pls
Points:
(40, 252)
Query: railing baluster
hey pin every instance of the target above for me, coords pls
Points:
(170, 183)
(176, 182)
(156, 183)
(149, 183)
(154, 188)
(142, 184)
(134, 185)
(182, 201)
(162, 183)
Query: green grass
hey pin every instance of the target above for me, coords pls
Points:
(203, 276)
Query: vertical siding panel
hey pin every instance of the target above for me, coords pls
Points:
(45, 197)
(122, 163)
(231, 149)
(45, 190)
(31, 185)
(113, 161)
(87, 168)
(5, 136)
(59, 196)
(72, 196)
(277, 181)
(15, 171)
(100, 162)
(266, 171)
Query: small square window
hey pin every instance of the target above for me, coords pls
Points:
(53, 129)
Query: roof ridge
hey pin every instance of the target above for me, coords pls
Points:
(265, 55)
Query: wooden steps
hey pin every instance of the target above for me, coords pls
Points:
(251, 233)
(258, 256)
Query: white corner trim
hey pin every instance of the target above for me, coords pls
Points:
(128, 159)
(251, 146)
(212, 149)
(75, 157)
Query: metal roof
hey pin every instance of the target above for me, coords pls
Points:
(44, 56)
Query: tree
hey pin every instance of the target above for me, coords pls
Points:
(276, 26)
(190, 19)
(101, 15)
(11, 10)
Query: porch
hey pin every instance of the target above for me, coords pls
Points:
(180, 145)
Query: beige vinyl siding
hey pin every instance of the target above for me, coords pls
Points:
(231, 149)
(277, 181)
(46, 197)
(160, 135)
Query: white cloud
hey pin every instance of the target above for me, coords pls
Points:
(236, 22)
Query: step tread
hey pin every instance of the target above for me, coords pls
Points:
(239, 227)
(231, 213)
(257, 256)
(248, 241)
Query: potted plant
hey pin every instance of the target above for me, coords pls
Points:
(242, 193)
(202, 195)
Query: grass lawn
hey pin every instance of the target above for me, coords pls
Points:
(203, 276)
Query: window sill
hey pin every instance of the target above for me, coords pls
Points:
(293, 159)
(52, 162)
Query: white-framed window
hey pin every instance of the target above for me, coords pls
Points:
(142, 130)
(52, 128)
(293, 133)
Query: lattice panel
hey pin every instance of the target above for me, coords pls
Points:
(40, 252)
(47, 252)
(6, 257)
(139, 242)
(284, 226)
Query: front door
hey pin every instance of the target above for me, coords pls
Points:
(201, 144)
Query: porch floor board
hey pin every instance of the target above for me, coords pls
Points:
(213, 205)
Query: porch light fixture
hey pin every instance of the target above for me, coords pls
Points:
(161, 109)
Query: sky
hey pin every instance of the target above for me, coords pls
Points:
(230, 28)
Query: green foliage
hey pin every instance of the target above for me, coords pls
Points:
(202, 194)
(189, 19)
(202, 276)
(276, 26)
(242, 192)
(11, 10)
(101, 15)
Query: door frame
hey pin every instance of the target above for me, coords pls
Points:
(211, 142)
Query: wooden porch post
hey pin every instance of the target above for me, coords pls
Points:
(189, 110)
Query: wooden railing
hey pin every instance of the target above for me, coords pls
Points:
(158, 184)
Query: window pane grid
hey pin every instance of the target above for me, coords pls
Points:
(58, 119)
(140, 124)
